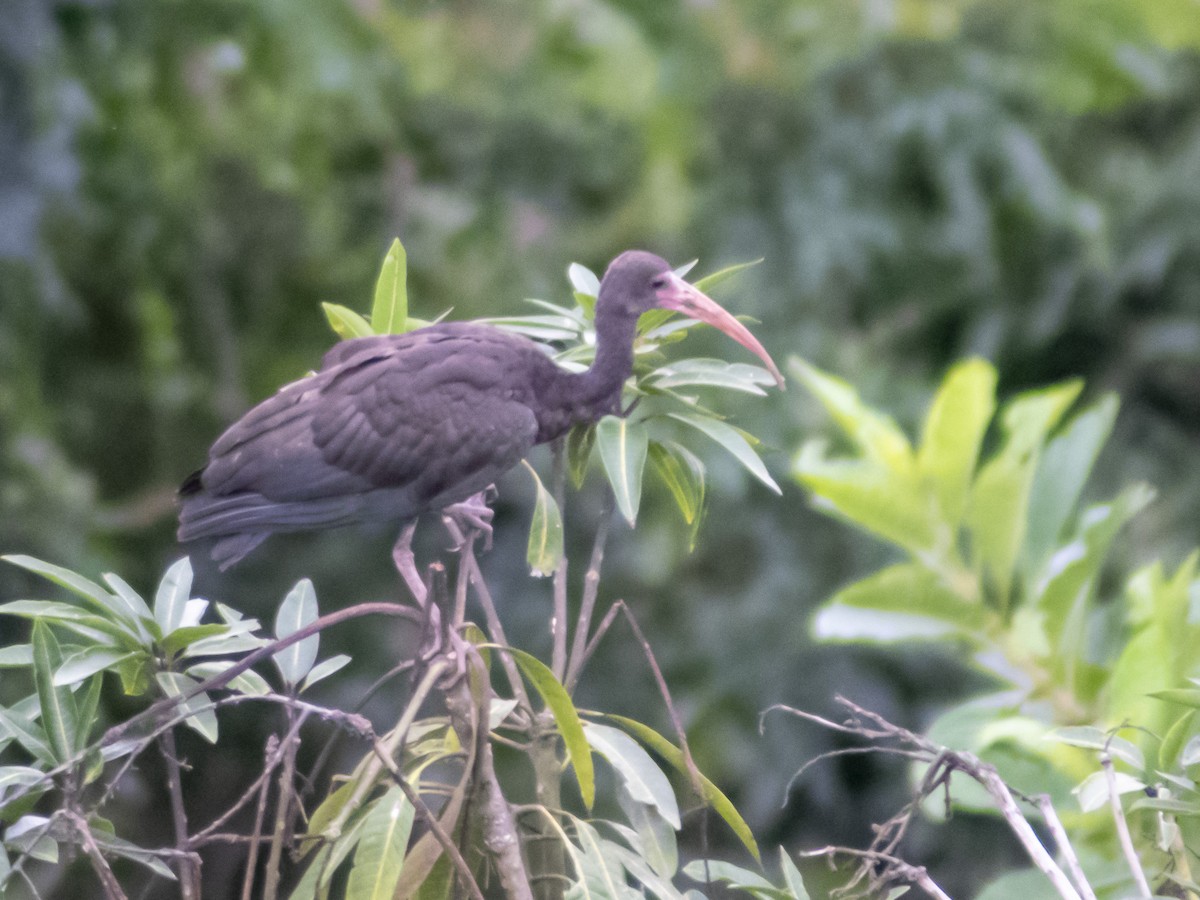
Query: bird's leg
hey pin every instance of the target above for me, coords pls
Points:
(406, 563)
(474, 514)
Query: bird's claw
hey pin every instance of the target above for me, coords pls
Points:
(473, 515)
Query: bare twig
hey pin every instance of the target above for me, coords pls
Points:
(263, 787)
(558, 621)
(591, 588)
(83, 834)
(495, 628)
(1118, 814)
(285, 805)
(189, 874)
(1054, 823)
(895, 870)
(943, 762)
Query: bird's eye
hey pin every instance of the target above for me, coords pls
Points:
(658, 282)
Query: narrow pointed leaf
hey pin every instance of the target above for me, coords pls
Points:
(26, 732)
(708, 282)
(324, 669)
(734, 441)
(545, 548)
(389, 312)
(345, 322)
(566, 717)
(874, 433)
(174, 591)
(299, 608)
(139, 610)
(57, 703)
(654, 832)
(89, 661)
(683, 474)
(382, 843)
(642, 777)
(100, 599)
(953, 433)
(580, 441)
(791, 876)
(87, 702)
(201, 717)
(623, 446)
(583, 279)
(712, 794)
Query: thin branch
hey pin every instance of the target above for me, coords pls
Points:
(83, 833)
(1054, 823)
(591, 589)
(285, 804)
(263, 787)
(558, 622)
(895, 869)
(1118, 814)
(189, 874)
(943, 762)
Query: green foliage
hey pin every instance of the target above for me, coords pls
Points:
(1004, 570)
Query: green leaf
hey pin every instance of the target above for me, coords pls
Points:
(68, 615)
(683, 474)
(868, 496)
(381, 846)
(583, 280)
(345, 322)
(700, 372)
(734, 440)
(708, 282)
(1180, 696)
(299, 608)
(791, 876)
(1173, 744)
(16, 656)
(26, 732)
(655, 834)
(566, 717)
(171, 598)
(107, 605)
(140, 615)
(324, 669)
(118, 847)
(89, 661)
(709, 871)
(59, 713)
(642, 777)
(183, 637)
(900, 602)
(622, 446)
(953, 432)
(712, 794)
(389, 312)
(876, 435)
(545, 549)
(248, 682)
(1064, 467)
(580, 441)
(1093, 792)
(1092, 738)
(201, 717)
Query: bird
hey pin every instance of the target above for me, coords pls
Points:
(393, 426)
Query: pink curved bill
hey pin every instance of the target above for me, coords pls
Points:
(680, 296)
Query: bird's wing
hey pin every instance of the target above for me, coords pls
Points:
(443, 417)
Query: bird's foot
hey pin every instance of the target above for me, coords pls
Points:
(474, 515)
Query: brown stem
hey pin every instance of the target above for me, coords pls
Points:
(591, 588)
(558, 624)
(189, 874)
(284, 810)
(260, 814)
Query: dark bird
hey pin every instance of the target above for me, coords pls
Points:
(396, 425)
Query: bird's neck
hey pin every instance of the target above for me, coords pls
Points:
(597, 391)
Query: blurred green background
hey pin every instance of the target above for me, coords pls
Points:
(182, 184)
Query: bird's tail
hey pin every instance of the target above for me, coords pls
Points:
(243, 520)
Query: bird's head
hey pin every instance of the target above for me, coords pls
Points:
(637, 281)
